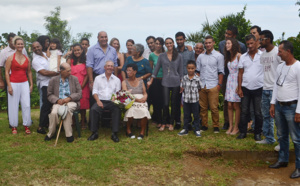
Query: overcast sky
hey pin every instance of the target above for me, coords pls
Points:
(136, 19)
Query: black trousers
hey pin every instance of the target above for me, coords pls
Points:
(96, 113)
(46, 109)
(254, 96)
(156, 92)
(175, 104)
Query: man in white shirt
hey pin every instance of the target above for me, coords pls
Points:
(270, 60)
(104, 86)
(40, 64)
(285, 106)
(151, 46)
(250, 86)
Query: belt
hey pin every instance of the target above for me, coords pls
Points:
(289, 103)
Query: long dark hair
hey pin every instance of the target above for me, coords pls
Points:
(174, 52)
(42, 39)
(234, 50)
(81, 58)
(162, 42)
(57, 42)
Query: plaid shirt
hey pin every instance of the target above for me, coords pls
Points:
(191, 88)
(64, 89)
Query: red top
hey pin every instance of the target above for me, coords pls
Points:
(18, 72)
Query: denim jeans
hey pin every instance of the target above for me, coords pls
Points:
(285, 119)
(268, 121)
(188, 109)
(255, 96)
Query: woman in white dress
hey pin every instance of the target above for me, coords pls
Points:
(232, 56)
(139, 109)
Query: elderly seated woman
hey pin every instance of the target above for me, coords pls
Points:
(139, 109)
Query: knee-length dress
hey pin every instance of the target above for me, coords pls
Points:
(79, 70)
(232, 82)
(137, 110)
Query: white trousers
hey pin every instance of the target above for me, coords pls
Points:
(21, 93)
(53, 119)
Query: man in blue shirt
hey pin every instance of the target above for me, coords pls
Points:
(96, 58)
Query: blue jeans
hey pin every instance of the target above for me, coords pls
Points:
(268, 121)
(188, 109)
(285, 119)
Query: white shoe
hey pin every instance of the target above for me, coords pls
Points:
(264, 141)
(277, 148)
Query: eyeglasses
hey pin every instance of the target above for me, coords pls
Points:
(281, 77)
(263, 39)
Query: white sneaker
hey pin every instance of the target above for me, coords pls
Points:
(183, 132)
(264, 141)
(277, 148)
(198, 134)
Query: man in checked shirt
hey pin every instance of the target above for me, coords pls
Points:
(190, 87)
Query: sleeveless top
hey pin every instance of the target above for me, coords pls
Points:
(18, 72)
(135, 90)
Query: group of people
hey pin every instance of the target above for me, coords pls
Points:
(258, 75)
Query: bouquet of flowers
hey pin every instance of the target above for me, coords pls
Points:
(123, 98)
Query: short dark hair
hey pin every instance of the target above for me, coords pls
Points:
(133, 66)
(131, 41)
(191, 62)
(267, 34)
(233, 29)
(257, 28)
(287, 45)
(10, 35)
(150, 37)
(250, 36)
(178, 34)
(42, 39)
(209, 37)
(85, 39)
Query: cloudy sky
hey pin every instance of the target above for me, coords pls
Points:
(136, 19)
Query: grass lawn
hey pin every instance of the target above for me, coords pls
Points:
(158, 159)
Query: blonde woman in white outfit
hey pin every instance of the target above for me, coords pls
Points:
(18, 87)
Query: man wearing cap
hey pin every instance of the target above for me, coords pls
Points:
(63, 90)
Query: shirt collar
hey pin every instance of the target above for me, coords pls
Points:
(258, 52)
(212, 52)
(194, 78)
(66, 80)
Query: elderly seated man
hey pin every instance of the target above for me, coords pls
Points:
(63, 90)
(104, 86)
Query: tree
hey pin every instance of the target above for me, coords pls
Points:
(298, 3)
(218, 28)
(79, 36)
(57, 28)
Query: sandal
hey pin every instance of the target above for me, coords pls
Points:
(171, 127)
(27, 130)
(162, 128)
(14, 130)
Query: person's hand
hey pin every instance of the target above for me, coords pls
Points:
(190, 48)
(272, 110)
(91, 83)
(297, 118)
(142, 100)
(181, 90)
(100, 104)
(240, 93)
(219, 87)
(66, 100)
(30, 89)
(10, 90)
(149, 83)
(2, 84)
(60, 101)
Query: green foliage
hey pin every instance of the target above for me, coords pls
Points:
(298, 3)
(79, 36)
(57, 28)
(296, 44)
(218, 28)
